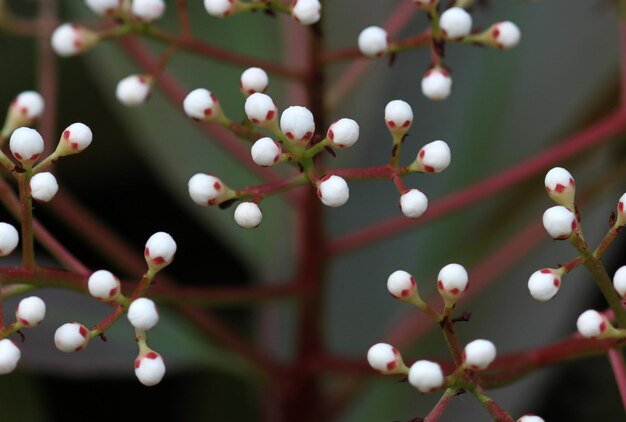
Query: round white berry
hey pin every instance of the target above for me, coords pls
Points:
(30, 311)
(219, 8)
(143, 314)
(437, 84)
(544, 284)
(76, 137)
(413, 203)
(149, 368)
(560, 186)
(398, 116)
(479, 354)
(455, 23)
(9, 238)
(26, 144)
(71, 39)
(401, 285)
(621, 210)
(133, 90)
(43, 186)
(260, 108)
(160, 249)
(103, 285)
(248, 215)
(9, 356)
(104, 7)
(29, 104)
(266, 152)
(530, 418)
(201, 104)
(307, 12)
(71, 337)
(426, 376)
(384, 358)
(205, 189)
(434, 157)
(148, 10)
(253, 80)
(591, 324)
(619, 281)
(373, 41)
(343, 133)
(333, 191)
(297, 123)
(559, 222)
(452, 281)
(505, 34)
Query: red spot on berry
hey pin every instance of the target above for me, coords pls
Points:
(255, 120)
(440, 285)
(251, 91)
(158, 260)
(34, 157)
(405, 292)
(429, 169)
(270, 115)
(620, 206)
(74, 145)
(444, 72)
(152, 355)
(455, 291)
(319, 193)
(137, 363)
(391, 124)
(23, 321)
(391, 365)
(66, 135)
(307, 136)
(571, 182)
(17, 155)
(208, 111)
(574, 225)
(113, 292)
(78, 44)
(83, 331)
(142, 79)
(289, 135)
(217, 185)
(602, 326)
(23, 110)
(146, 252)
(545, 271)
(406, 124)
(331, 134)
(474, 367)
(276, 158)
(325, 178)
(559, 188)
(556, 282)
(422, 153)
(495, 33)
(429, 72)
(412, 281)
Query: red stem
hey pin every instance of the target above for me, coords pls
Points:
(619, 370)
(47, 74)
(437, 412)
(183, 18)
(596, 134)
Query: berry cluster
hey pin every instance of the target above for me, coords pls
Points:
(454, 25)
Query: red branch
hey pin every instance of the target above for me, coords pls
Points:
(617, 364)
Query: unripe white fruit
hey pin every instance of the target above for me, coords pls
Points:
(455, 23)
(398, 116)
(413, 203)
(437, 84)
(26, 145)
(9, 238)
(333, 191)
(307, 12)
(266, 152)
(29, 104)
(479, 354)
(201, 104)
(205, 189)
(133, 90)
(505, 34)
(248, 215)
(544, 284)
(260, 108)
(297, 123)
(621, 210)
(9, 356)
(343, 133)
(143, 314)
(76, 138)
(452, 282)
(434, 157)
(30, 311)
(426, 376)
(71, 39)
(619, 281)
(560, 186)
(373, 41)
(384, 358)
(592, 324)
(253, 80)
(71, 337)
(149, 368)
(559, 222)
(401, 285)
(43, 186)
(103, 285)
(104, 7)
(530, 418)
(148, 10)
(160, 249)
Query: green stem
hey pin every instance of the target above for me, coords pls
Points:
(452, 340)
(606, 242)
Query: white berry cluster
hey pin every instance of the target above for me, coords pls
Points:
(453, 25)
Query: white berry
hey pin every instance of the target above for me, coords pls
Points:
(159, 250)
(103, 7)
(384, 358)
(75, 138)
(437, 84)
(71, 337)
(333, 191)
(413, 203)
(71, 39)
(621, 210)
(43, 186)
(148, 10)
(149, 368)
(133, 90)
(401, 285)
(248, 215)
(103, 285)
(434, 157)
(26, 145)
(9, 356)
(619, 281)
(544, 284)
(266, 152)
(219, 8)
(260, 108)
(452, 281)
(29, 104)
(343, 133)
(205, 189)
(398, 116)
(559, 222)
(253, 79)
(560, 186)
(591, 324)
(505, 34)
(426, 376)
(30, 311)
(455, 23)
(201, 104)
(479, 354)
(307, 12)
(297, 123)
(373, 41)
(143, 314)
(9, 238)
